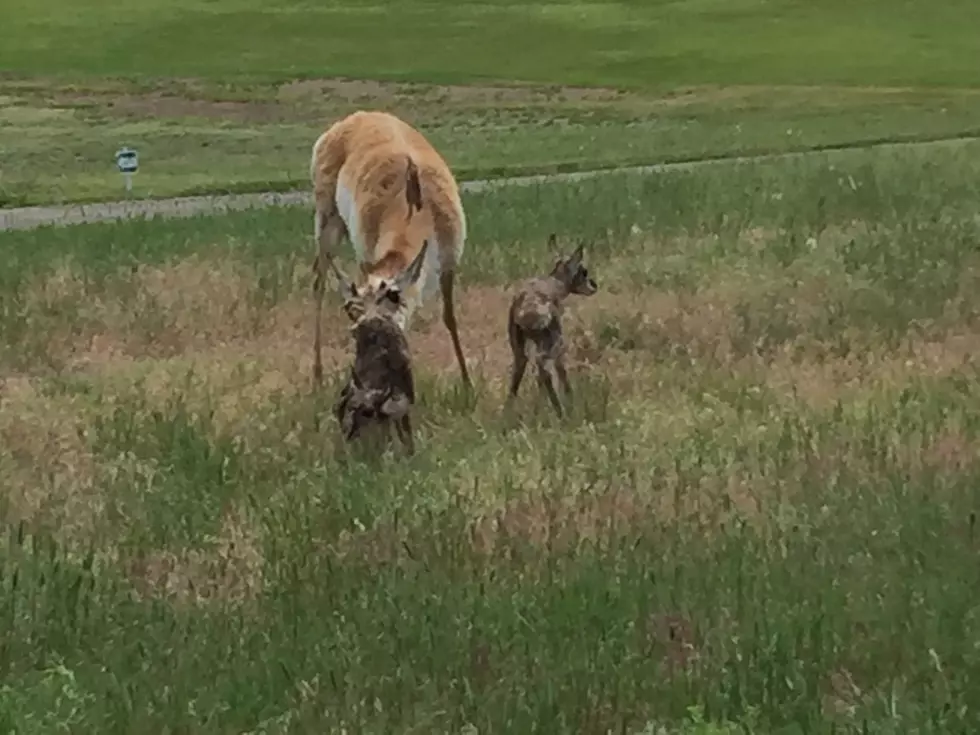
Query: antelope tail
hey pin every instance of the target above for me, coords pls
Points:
(413, 187)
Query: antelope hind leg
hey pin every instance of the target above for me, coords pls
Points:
(329, 228)
(446, 282)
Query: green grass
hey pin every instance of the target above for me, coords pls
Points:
(759, 517)
(230, 95)
(637, 43)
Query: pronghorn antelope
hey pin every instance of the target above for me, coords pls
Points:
(381, 387)
(377, 180)
(535, 319)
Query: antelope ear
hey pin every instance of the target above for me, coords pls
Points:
(395, 404)
(356, 381)
(411, 275)
(579, 253)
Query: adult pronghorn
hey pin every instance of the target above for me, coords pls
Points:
(379, 181)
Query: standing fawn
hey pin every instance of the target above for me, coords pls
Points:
(380, 183)
(535, 319)
(381, 388)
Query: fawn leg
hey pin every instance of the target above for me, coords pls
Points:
(329, 227)
(558, 352)
(516, 375)
(404, 428)
(518, 346)
(446, 280)
(563, 376)
(547, 385)
(548, 357)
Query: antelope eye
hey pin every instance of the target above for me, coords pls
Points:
(393, 295)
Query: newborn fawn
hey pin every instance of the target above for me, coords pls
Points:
(535, 318)
(381, 387)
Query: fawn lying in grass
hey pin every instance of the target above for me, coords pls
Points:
(381, 388)
(535, 319)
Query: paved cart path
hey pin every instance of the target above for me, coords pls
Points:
(25, 218)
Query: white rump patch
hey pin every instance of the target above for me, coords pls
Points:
(347, 208)
(419, 293)
(431, 271)
(316, 147)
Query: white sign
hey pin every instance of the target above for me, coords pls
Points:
(127, 161)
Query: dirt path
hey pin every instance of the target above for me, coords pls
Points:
(25, 218)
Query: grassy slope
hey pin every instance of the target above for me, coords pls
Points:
(238, 127)
(761, 507)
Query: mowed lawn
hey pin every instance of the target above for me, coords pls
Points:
(229, 95)
(635, 43)
(761, 513)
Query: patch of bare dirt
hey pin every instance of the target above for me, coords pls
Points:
(158, 105)
(658, 323)
(347, 90)
(326, 99)
(381, 93)
(170, 100)
(481, 312)
(785, 95)
(303, 100)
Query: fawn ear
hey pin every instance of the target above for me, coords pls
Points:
(348, 425)
(395, 404)
(411, 275)
(553, 252)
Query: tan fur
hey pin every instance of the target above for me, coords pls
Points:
(371, 155)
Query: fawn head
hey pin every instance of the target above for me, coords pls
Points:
(361, 406)
(384, 297)
(571, 271)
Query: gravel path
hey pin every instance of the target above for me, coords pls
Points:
(25, 218)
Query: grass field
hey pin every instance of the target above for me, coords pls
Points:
(761, 513)
(229, 96)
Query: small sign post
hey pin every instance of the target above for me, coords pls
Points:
(127, 161)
